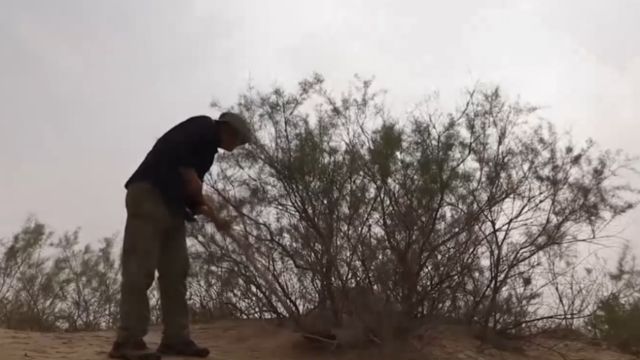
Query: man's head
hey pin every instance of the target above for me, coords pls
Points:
(234, 131)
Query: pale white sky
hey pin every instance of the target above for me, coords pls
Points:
(88, 86)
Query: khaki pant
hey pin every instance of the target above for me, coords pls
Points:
(154, 239)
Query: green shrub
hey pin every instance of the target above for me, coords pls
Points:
(618, 323)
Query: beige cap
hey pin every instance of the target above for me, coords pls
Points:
(240, 124)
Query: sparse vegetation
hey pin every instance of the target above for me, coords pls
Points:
(377, 222)
(56, 285)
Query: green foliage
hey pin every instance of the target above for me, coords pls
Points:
(386, 144)
(616, 319)
(618, 323)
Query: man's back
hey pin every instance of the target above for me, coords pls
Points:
(192, 143)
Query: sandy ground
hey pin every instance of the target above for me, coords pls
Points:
(243, 340)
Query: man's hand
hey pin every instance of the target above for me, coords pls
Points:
(223, 225)
(196, 201)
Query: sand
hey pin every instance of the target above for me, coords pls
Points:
(243, 340)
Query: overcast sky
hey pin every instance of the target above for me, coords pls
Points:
(87, 86)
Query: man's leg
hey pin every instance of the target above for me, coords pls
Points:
(173, 268)
(144, 230)
(139, 261)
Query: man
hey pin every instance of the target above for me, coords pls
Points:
(162, 193)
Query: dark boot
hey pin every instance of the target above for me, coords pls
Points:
(132, 350)
(183, 348)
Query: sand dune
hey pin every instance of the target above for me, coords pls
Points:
(244, 340)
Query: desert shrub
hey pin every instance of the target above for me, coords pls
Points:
(442, 213)
(49, 285)
(616, 319)
(618, 323)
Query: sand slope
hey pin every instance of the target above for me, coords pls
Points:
(243, 340)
